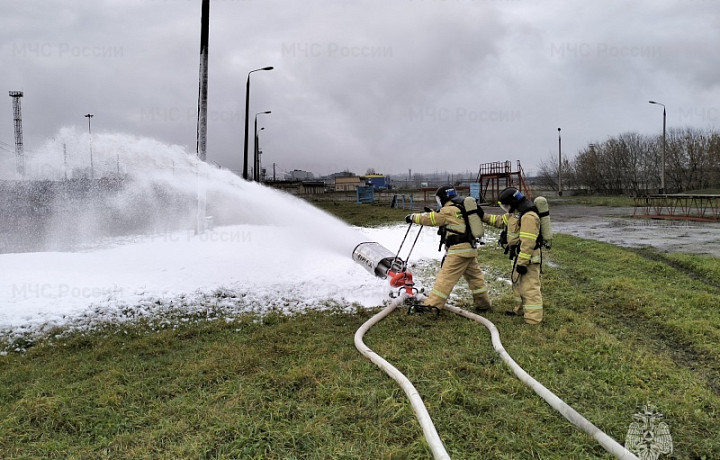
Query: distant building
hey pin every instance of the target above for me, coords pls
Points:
(378, 181)
(298, 187)
(298, 174)
(348, 184)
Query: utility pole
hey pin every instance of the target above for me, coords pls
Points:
(202, 114)
(559, 164)
(92, 168)
(662, 161)
(247, 120)
(17, 122)
(203, 92)
(65, 159)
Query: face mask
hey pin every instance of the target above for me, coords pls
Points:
(439, 203)
(505, 207)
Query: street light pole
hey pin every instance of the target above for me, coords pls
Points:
(662, 162)
(559, 164)
(256, 167)
(92, 171)
(247, 121)
(256, 156)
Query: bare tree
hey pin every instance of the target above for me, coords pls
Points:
(631, 163)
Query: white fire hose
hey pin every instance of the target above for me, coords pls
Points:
(608, 443)
(431, 435)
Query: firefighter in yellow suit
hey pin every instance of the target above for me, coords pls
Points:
(522, 226)
(461, 256)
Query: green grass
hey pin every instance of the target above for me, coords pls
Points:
(364, 215)
(622, 328)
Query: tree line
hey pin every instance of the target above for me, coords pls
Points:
(631, 163)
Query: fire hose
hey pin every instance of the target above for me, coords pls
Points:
(431, 434)
(608, 443)
(380, 262)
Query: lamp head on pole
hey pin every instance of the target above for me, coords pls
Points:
(262, 68)
(262, 113)
(88, 116)
(658, 103)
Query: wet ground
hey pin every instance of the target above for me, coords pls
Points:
(617, 226)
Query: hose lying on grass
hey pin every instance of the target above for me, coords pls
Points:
(608, 443)
(431, 435)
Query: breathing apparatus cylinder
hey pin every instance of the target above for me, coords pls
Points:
(476, 225)
(545, 224)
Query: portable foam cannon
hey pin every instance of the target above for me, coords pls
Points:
(379, 261)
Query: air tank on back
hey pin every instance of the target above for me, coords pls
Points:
(545, 224)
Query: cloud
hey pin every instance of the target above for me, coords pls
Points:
(422, 84)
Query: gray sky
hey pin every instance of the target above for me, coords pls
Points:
(427, 85)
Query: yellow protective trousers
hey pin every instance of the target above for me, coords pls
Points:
(527, 287)
(454, 267)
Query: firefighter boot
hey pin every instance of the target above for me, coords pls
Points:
(482, 302)
(533, 314)
(517, 311)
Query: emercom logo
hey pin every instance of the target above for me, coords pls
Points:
(648, 437)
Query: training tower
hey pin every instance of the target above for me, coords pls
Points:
(495, 177)
(17, 122)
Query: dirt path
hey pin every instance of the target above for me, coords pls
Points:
(617, 226)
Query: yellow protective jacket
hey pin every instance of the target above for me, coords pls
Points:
(451, 218)
(522, 231)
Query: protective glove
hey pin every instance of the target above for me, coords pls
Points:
(427, 209)
(521, 269)
(409, 218)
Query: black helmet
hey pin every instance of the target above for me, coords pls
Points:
(510, 199)
(445, 194)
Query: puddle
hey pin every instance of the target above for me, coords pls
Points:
(617, 226)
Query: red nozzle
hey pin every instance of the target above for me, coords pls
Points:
(402, 279)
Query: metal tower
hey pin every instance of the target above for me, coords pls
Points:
(17, 121)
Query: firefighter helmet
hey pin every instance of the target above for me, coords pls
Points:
(510, 199)
(445, 194)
